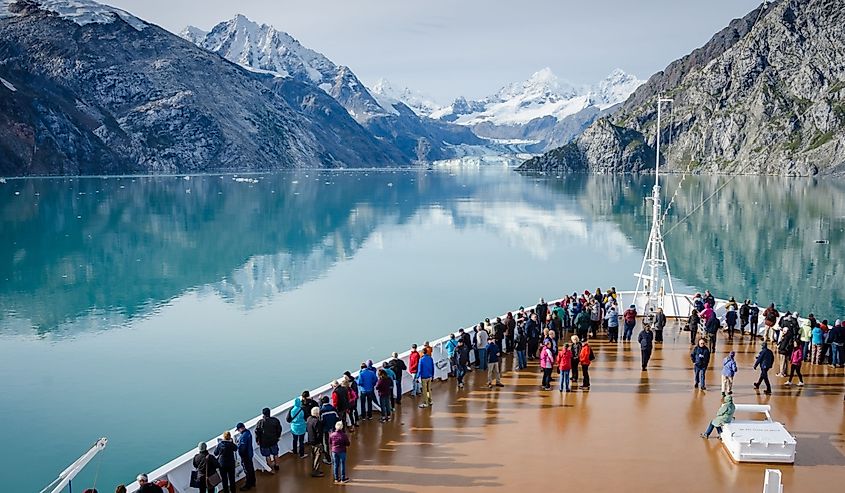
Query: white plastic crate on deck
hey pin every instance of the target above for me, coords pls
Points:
(758, 440)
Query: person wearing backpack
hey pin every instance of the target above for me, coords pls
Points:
(206, 467)
(586, 358)
(744, 314)
(268, 431)
(296, 418)
(770, 318)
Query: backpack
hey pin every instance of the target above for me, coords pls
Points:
(592, 354)
(289, 418)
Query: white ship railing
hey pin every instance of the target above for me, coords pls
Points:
(178, 471)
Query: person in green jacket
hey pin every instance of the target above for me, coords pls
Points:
(725, 415)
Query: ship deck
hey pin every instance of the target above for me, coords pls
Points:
(633, 431)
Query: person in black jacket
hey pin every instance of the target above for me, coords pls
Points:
(399, 368)
(711, 326)
(700, 360)
(268, 431)
(787, 337)
(461, 361)
(730, 321)
(206, 465)
(225, 453)
(765, 360)
(314, 427)
(693, 323)
(542, 309)
(744, 314)
(646, 339)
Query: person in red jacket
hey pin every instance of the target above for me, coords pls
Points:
(585, 358)
(413, 365)
(564, 365)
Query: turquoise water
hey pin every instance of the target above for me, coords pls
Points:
(159, 311)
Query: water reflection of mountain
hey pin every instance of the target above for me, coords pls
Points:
(756, 237)
(71, 248)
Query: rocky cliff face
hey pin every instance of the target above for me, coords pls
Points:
(87, 89)
(765, 96)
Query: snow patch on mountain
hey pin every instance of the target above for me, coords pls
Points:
(422, 104)
(81, 12)
(541, 95)
(263, 48)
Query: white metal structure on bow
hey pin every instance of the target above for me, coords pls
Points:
(66, 477)
(653, 284)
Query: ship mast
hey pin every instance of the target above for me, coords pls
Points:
(652, 294)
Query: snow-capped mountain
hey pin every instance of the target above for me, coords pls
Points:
(542, 108)
(421, 103)
(264, 48)
(82, 12)
(541, 95)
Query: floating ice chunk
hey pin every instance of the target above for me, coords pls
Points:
(8, 85)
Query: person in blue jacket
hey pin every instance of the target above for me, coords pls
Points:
(426, 370)
(700, 359)
(297, 419)
(246, 451)
(367, 379)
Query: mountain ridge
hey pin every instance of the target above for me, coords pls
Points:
(762, 96)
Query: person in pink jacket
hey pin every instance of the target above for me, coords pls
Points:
(796, 358)
(564, 366)
(547, 360)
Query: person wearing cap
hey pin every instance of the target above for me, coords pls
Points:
(246, 451)
(268, 431)
(206, 466)
(225, 453)
(145, 486)
(765, 360)
(729, 370)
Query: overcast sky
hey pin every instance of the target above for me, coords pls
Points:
(449, 48)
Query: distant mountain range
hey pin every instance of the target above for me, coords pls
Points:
(543, 109)
(264, 49)
(763, 96)
(90, 89)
